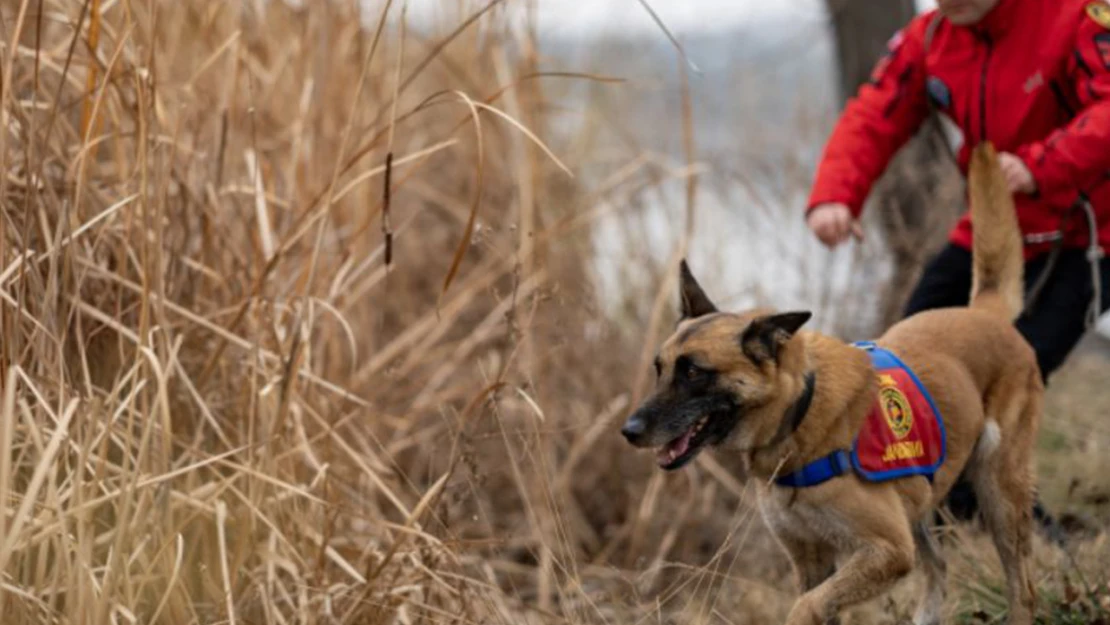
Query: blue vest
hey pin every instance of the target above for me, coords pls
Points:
(904, 424)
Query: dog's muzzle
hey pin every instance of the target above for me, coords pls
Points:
(634, 429)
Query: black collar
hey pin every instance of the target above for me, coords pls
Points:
(796, 413)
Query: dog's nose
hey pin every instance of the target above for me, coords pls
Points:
(633, 429)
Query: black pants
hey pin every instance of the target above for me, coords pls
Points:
(1054, 325)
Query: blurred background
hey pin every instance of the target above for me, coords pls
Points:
(329, 311)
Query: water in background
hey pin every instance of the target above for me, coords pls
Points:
(762, 106)
(763, 103)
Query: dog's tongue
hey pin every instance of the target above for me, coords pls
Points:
(674, 449)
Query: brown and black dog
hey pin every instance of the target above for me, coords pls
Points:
(755, 386)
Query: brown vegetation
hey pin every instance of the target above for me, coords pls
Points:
(299, 326)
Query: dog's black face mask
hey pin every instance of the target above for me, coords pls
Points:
(691, 412)
(713, 372)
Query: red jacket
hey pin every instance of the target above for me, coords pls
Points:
(1033, 77)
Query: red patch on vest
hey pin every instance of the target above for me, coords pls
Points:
(902, 434)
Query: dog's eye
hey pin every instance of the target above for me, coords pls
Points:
(693, 372)
(686, 369)
(658, 367)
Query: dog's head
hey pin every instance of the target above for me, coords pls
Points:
(720, 376)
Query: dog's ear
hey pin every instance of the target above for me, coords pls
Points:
(765, 336)
(695, 302)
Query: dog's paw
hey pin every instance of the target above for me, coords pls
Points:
(807, 612)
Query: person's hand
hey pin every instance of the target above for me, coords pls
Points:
(1018, 176)
(833, 224)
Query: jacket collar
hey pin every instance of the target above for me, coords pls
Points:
(996, 22)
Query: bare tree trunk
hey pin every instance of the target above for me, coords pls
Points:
(911, 206)
(862, 29)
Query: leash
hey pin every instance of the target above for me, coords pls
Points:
(1057, 238)
(1095, 254)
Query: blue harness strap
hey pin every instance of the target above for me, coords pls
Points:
(881, 358)
(821, 470)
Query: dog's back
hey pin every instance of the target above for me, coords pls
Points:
(970, 353)
(985, 378)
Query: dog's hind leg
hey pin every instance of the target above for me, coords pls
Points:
(931, 602)
(1002, 476)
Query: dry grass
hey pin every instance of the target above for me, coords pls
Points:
(290, 313)
(299, 326)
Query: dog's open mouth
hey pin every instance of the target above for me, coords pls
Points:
(681, 450)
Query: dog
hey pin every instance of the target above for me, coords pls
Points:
(787, 401)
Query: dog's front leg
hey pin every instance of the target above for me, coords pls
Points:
(813, 558)
(812, 569)
(813, 563)
(871, 570)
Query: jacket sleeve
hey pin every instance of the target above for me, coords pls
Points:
(1077, 156)
(876, 123)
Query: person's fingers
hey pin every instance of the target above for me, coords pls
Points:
(1011, 173)
(832, 232)
(831, 223)
(1018, 177)
(818, 223)
(845, 226)
(857, 231)
(827, 233)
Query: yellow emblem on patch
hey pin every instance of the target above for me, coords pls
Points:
(1099, 11)
(895, 407)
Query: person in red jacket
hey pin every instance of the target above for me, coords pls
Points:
(1032, 77)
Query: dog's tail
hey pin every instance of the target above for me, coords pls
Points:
(996, 248)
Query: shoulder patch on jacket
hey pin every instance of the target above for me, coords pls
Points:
(896, 40)
(1099, 11)
(1102, 44)
(892, 46)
